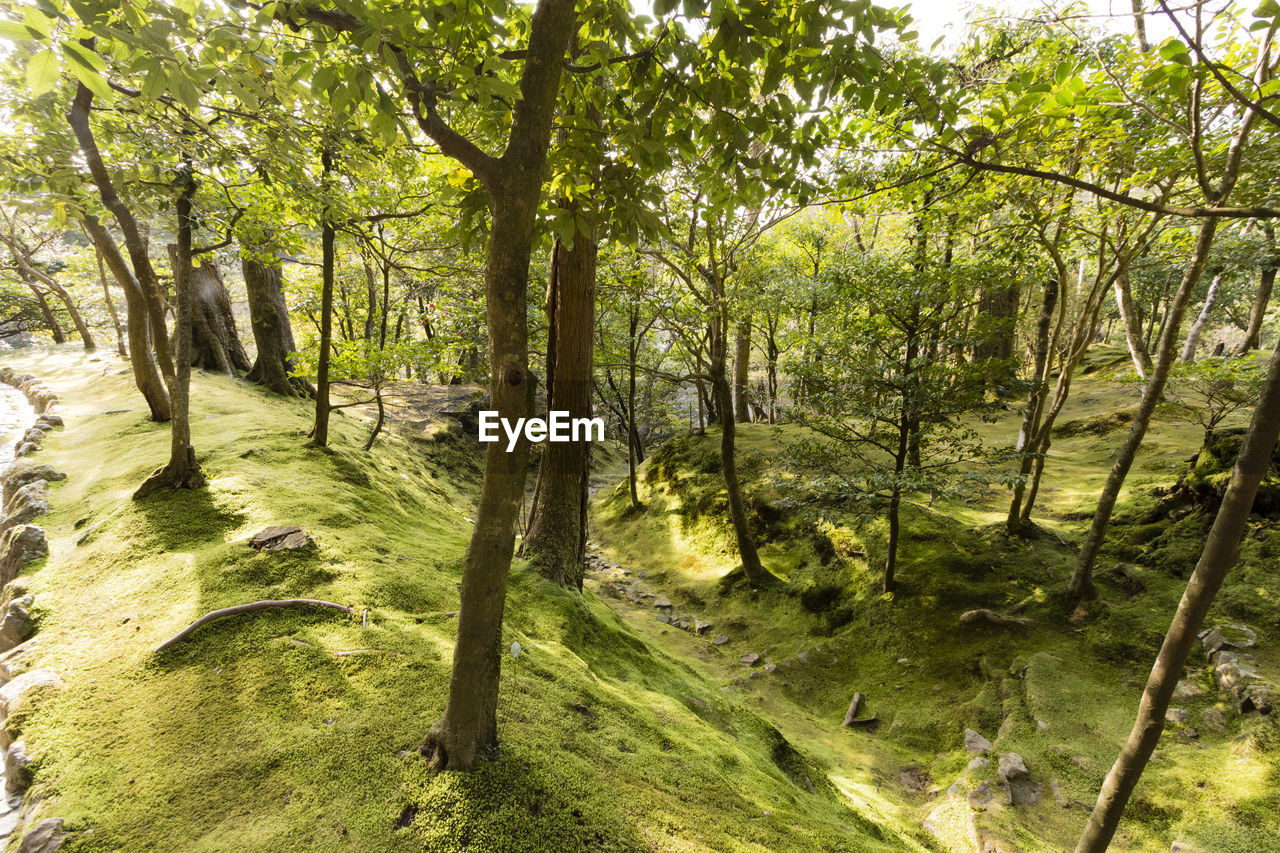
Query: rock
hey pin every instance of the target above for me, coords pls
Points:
(1255, 697)
(1058, 796)
(27, 504)
(1011, 766)
(982, 797)
(1232, 669)
(662, 602)
(280, 538)
(663, 617)
(26, 689)
(49, 420)
(47, 837)
(17, 768)
(720, 640)
(1006, 726)
(977, 763)
(1177, 715)
(755, 673)
(750, 658)
(24, 471)
(770, 667)
(914, 779)
(803, 657)
(1187, 690)
(1227, 637)
(700, 627)
(976, 743)
(20, 546)
(1024, 792)
(1213, 720)
(16, 624)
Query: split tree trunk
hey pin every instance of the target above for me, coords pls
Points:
(182, 472)
(269, 318)
(1219, 555)
(556, 539)
(1132, 328)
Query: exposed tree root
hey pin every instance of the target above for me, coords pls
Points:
(246, 608)
(984, 615)
(186, 476)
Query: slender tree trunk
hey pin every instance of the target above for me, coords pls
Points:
(633, 438)
(1081, 585)
(1220, 552)
(135, 244)
(146, 372)
(1132, 328)
(121, 347)
(1140, 27)
(469, 728)
(741, 370)
(182, 472)
(1258, 311)
(895, 504)
(382, 417)
(320, 432)
(556, 540)
(1193, 336)
(1035, 406)
(55, 328)
(269, 319)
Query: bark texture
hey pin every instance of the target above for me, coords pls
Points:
(1258, 311)
(272, 331)
(1216, 560)
(741, 370)
(215, 343)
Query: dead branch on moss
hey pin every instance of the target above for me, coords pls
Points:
(252, 607)
(984, 615)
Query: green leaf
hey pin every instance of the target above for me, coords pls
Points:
(16, 32)
(92, 80)
(42, 72)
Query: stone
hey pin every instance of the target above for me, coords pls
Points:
(16, 624)
(914, 779)
(1232, 669)
(1255, 697)
(1024, 792)
(976, 743)
(20, 546)
(47, 837)
(1186, 847)
(280, 538)
(49, 420)
(770, 667)
(803, 657)
(663, 617)
(1187, 690)
(720, 640)
(1011, 766)
(23, 472)
(27, 504)
(982, 797)
(750, 658)
(700, 627)
(1177, 715)
(1059, 796)
(27, 688)
(977, 763)
(1006, 726)
(1213, 720)
(17, 768)
(662, 602)
(1227, 637)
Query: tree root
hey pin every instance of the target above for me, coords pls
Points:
(185, 476)
(246, 608)
(984, 615)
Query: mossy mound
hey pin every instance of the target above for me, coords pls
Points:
(1209, 473)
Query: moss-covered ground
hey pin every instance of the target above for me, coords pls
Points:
(261, 732)
(1061, 691)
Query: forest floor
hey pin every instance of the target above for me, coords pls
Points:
(298, 730)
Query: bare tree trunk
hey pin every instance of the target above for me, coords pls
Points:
(146, 372)
(269, 318)
(1216, 560)
(215, 343)
(111, 305)
(1140, 27)
(55, 328)
(741, 370)
(320, 432)
(182, 472)
(469, 728)
(1193, 336)
(1132, 328)
(1035, 406)
(1258, 311)
(556, 540)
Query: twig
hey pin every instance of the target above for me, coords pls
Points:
(246, 608)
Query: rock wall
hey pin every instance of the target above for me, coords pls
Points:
(24, 498)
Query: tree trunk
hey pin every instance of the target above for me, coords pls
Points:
(1193, 336)
(146, 372)
(1132, 328)
(55, 328)
(1035, 406)
(111, 305)
(1081, 585)
(633, 437)
(269, 318)
(469, 728)
(1219, 555)
(741, 370)
(320, 432)
(135, 244)
(891, 558)
(1252, 335)
(556, 540)
(182, 472)
(215, 343)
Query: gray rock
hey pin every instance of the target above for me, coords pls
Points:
(750, 658)
(49, 421)
(1255, 697)
(1187, 690)
(16, 624)
(976, 743)
(23, 472)
(700, 627)
(663, 617)
(982, 797)
(47, 837)
(1227, 637)
(1186, 847)
(1232, 669)
(20, 546)
(1213, 720)
(27, 504)
(1011, 766)
(720, 640)
(662, 602)
(17, 768)
(914, 779)
(1024, 792)
(26, 688)
(770, 667)
(280, 538)
(977, 763)
(1177, 715)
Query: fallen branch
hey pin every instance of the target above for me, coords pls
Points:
(246, 608)
(851, 717)
(984, 615)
